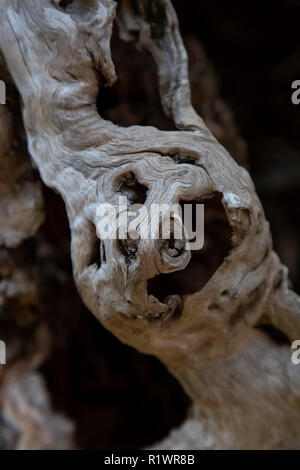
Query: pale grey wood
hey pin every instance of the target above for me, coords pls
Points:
(244, 388)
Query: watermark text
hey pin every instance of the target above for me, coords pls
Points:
(156, 221)
(296, 93)
(2, 353)
(2, 92)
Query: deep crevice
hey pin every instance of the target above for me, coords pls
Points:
(180, 160)
(277, 336)
(64, 3)
(135, 192)
(204, 262)
(96, 249)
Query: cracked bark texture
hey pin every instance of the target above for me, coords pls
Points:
(58, 54)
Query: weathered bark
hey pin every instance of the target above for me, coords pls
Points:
(58, 53)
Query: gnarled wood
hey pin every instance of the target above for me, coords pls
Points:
(237, 378)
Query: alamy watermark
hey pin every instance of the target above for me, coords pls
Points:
(2, 353)
(296, 354)
(155, 221)
(2, 92)
(296, 94)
